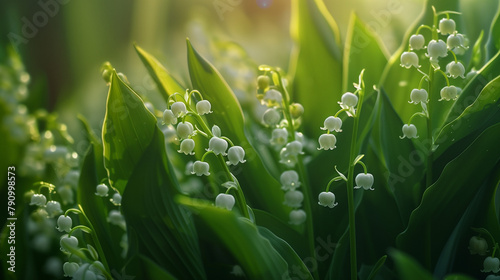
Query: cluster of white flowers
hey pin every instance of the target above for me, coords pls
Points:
(437, 48)
(491, 264)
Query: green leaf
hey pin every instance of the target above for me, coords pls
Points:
(478, 53)
(228, 116)
(254, 253)
(408, 267)
(484, 110)
(316, 63)
(166, 84)
(493, 44)
(446, 200)
(163, 230)
(458, 277)
(127, 131)
(363, 50)
(377, 267)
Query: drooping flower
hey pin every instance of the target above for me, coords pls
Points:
(327, 141)
(203, 107)
(200, 168)
(187, 147)
(38, 200)
(178, 109)
(293, 198)
(418, 96)
(349, 99)
(279, 137)
(101, 190)
(273, 98)
(271, 117)
(225, 201)
(116, 218)
(455, 69)
(448, 93)
(327, 199)
(217, 145)
(68, 243)
(235, 155)
(297, 217)
(417, 41)
(70, 268)
(447, 26)
(53, 208)
(364, 180)
(289, 180)
(409, 131)
(169, 117)
(491, 265)
(409, 59)
(64, 223)
(332, 124)
(436, 49)
(294, 147)
(454, 41)
(184, 129)
(116, 199)
(478, 245)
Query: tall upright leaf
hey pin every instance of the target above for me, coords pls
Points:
(493, 44)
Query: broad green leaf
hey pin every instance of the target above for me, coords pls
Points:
(254, 253)
(162, 229)
(316, 62)
(445, 201)
(408, 267)
(127, 130)
(493, 44)
(228, 116)
(363, 50)
(165, 83)
(474, 117)
(458, 277)
(154, 271)
(287, 252)
(478, 53)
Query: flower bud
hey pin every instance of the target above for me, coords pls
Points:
(38, 200)
(478, 245)
(235, 155)
(169, 117)
(200, 168)
(327, 199)
(409, 131)
(296, 110)
(327, 142)
(364, 180)
(447, 26)
(349, 99)
(417, 41)
(203, 107)
(279, 137)
(455, 69)
(187, 147)
(293, 198)
(116, 199)
(178, 109)
(418, 95)
(263, 82)
(102, 190)
(409, 59)
(68, 243)
(216, 130)
(225, 201)
(53, 208)
(184, 129)
(289, 180)
(436, 49)
(491, 265)
(217, 145)
(448, 93)
(70, 268)
(297, 217)
(273, 98)
(271, 117)
(332, 124)
(64, 223)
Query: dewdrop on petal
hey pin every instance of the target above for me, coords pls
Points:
(225, 201)
(217, 145)
(455, 69)
(38, 200)
(417, 41)
(409, 131)
(293, 198)
(200, 168)
(446, 26)
(169, 117)
(418, 96)
(349, 99)
(327, 199)
(64, 223)
(187, 147)
(365, 181)
(53, 208)
(297, 217)
(178, 108)
(102, 190)
(327, 142)
(332, 124)
(184, 129)
(289, 180)
(235, 155)
(203, 107)
(409, 59)
(491, 265)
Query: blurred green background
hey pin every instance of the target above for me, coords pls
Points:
(68, 40)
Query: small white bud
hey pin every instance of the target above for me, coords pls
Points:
(297, 217)
(364, 180)
(203, 107)
(178, 108)
(271, 117)
(409, 131)
(38, 200)
(418, 95)
(217, 145)
(64, 223)
(216, 131)
(332, 124)
(200, 168)
(296, 110)
(349, 99)
(184, 129)
(102, 190)
(417, 41)
(327, 199)
(409, 59)
(293, 198)
(187, 147)
(235, 155)
(455, 69)
(53, 208)
(447, 26)
(327, 141)
(289, 180)
(169, 117)
(225, 201)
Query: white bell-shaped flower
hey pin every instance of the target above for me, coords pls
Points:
(200, 168)
(217, 145)
(85, 272)
(449, 93)
(287, 158)
(478, 245)
(446, 26)
(179, 109)
(53, 208)
(349, 99)
(454, 41)
(332, 124)
(235, 155)
(64, 223)
(289, 180)
(68, 242)
(66, 194)
(70, 268)
(169, 117)
(293, 198)
(418, 95)
(295, 147)
(297, 217)
(203, 107)
(271, 117)
(491, 264)
(417, 41)
(436, 49)
(327, 199)
(409, 59)
(116, 199)
(101, 190)
(455, 69)
(492, 277)
(116, 218)
(184, 129)
(409, 131)
(216, 131)
(225, 201)
(187, 147)
(279, 137)
(364, 180)
(327, 142)
(272, 98)
(38, 200)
